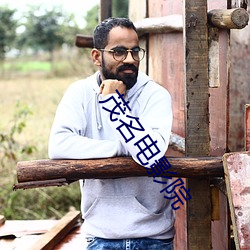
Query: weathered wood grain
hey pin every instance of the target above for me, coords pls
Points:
(237, 176)
(228, 18)
(118, 167)
(197, 121)
(52, 237)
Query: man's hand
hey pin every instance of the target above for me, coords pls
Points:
(109, 87)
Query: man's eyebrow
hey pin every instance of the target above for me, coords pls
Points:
(122, 47)
(119, 47)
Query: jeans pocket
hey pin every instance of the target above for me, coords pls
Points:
(90, 242)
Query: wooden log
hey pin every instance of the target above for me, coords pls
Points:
(44, 173)
(52, 237)
(229, 18)
(148, 25)
(166, 24)
(83, 41)
(226, 19)
(118, 167)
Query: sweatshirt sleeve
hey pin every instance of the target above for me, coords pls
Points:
(67, 137)
(145, 137)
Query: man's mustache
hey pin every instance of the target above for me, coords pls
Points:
(127, 67)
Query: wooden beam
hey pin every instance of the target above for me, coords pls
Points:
(197, 120)
(52, 237)
(166, 24)
(228, 18)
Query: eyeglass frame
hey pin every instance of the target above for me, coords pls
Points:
(112, 51)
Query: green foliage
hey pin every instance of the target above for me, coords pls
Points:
(8, 27)
(10, 148)
(41, 203)
(42, 29)
(91, 20)
(48, 30)
(120, 8)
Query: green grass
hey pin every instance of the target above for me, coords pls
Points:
(28, 66)
(40, 203)
(42, 94)
(40, 86)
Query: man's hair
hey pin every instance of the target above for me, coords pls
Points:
(102, 30)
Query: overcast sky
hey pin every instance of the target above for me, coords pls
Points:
(77, 7)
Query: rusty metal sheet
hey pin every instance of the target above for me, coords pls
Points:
(247, 127)
(237, 176)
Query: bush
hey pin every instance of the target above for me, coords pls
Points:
(42, 203)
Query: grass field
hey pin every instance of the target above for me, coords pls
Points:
(42, 95)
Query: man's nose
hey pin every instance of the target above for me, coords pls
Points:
(129, 58)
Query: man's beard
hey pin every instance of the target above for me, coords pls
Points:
(128, 79)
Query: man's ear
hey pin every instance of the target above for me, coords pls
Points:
(96, 57)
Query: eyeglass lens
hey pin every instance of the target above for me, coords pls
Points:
(121, 54)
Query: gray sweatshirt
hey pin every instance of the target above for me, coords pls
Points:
(123, 207)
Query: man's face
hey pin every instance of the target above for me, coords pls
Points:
(127, 70)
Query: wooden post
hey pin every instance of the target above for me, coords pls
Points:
(105, 9)
(197, 120)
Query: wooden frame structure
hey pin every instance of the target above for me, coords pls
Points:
(197, 45)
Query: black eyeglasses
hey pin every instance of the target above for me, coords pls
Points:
(120, 54)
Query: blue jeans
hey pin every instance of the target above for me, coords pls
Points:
(130, 244)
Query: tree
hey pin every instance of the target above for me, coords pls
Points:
(8, 27)
(119, 9)
(47, 30)
(91, 19)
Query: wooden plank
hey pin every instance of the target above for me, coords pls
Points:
(197, 120)
(22, 234)
(247, 127)
(237, 176)
(51, 238)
